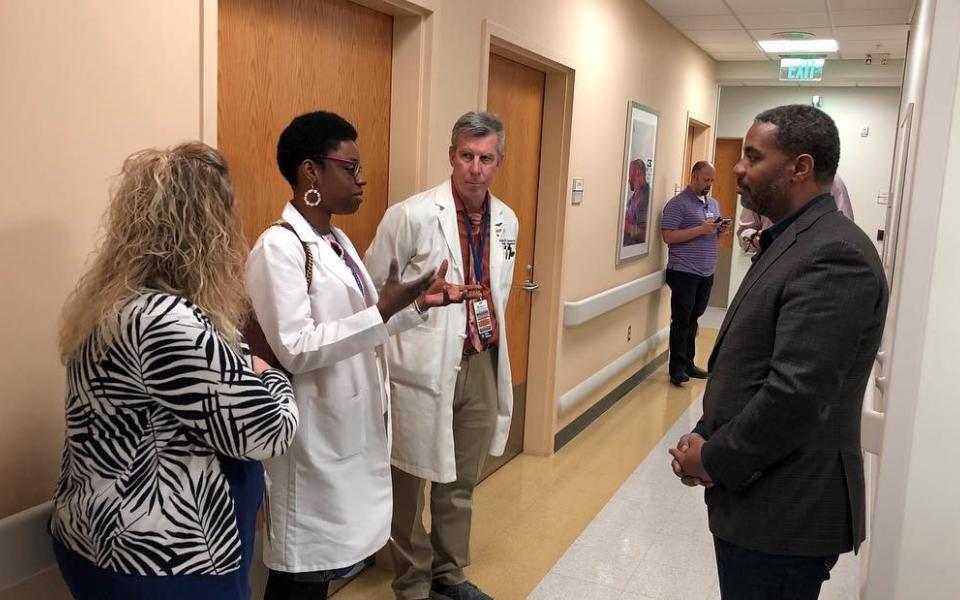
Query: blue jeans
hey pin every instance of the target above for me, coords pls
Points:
(751, 575)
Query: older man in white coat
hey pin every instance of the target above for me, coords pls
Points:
(450, 376)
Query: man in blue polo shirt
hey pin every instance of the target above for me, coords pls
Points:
(691, 227)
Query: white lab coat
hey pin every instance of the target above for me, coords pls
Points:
(329, 497)
(421, 232)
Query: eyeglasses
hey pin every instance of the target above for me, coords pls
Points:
(353, 166)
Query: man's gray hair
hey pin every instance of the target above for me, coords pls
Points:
(478, 124)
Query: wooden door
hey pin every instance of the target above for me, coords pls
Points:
(515, 94)
(725, 187)
(282, 58)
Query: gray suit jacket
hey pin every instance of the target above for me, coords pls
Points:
(782, 406)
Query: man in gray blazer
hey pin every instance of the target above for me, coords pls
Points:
(778, 447)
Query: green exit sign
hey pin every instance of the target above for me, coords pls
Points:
(801, 69)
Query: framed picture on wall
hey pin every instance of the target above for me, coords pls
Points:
(639, 166)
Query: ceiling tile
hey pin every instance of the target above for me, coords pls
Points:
(728, 47)
(784, 21)
(858, 25)
(689, 8)
(857, 50)
(705, 22)
(738, 56)
(746, 7)
(718, 35)
(872, 33)
(838, 5)
(870, 17)
(766, 34)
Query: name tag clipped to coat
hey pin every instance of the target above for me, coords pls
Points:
(481, 313)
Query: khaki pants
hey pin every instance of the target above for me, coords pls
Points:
(442, 554)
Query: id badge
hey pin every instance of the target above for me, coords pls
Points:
(710, 216)
(481, 312)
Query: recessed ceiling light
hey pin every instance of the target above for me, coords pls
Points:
(798, 46)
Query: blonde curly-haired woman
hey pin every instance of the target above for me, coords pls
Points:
(167, 415)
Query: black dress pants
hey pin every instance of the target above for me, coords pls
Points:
(751, 575)
(689, 295)
(296, 586)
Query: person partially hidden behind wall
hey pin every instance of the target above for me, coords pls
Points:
(778, 446)
(751, 223)
(167, 416)
(329, 497)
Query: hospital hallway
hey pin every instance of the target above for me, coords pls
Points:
(604, 517)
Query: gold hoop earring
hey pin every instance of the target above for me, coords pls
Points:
(312, 202)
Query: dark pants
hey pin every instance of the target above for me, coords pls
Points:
(689, 294)
(751, 575)
(295, 586)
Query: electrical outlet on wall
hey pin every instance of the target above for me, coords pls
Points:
(629, 332)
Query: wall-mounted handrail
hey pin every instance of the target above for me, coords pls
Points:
(581, 311)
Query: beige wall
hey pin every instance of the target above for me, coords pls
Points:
(621, 50)
(84, 85)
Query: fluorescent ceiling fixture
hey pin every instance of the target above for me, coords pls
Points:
(791, 46)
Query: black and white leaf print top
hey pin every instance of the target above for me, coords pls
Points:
(141, 491)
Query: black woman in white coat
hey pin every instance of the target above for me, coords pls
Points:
(329, 497)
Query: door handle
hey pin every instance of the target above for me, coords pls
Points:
(530, 285)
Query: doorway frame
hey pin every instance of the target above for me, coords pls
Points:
(735, 251)
(546, 316)
(706, 129)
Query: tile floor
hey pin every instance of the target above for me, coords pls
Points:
(651, 542)
(604, 518)
(533, 509)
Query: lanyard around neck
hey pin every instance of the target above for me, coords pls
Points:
(477, 250)
(340, 250)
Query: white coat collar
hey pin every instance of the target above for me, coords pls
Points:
(451, 231)
(304, 229)
(447, 213)
(326, 256)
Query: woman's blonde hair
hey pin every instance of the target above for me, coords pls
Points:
(171, 226)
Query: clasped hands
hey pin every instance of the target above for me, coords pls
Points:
(429, 290)
(687, 464)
